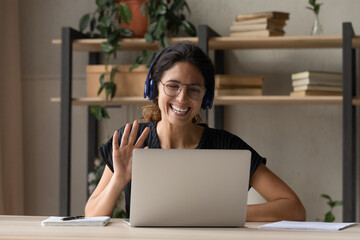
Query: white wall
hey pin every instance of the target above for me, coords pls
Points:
(303, 144)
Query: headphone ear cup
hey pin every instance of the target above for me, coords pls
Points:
(151, 89)
(208, 100)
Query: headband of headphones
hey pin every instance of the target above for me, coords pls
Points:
(149, 88)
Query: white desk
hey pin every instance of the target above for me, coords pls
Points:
(29, 227)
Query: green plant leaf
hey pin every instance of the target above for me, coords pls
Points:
(143, 9)
(135, 65)
(101, 2)
(326, 196)
(160, 28)
(99, 112)
(148, 38)
(126, 32)
(338, 203)
(149, 58)
(112, 74)
(177, 5)
(152, 27)
(125, 13)
(113, 91)
(317, 9)
(189, 28)
(105, 21)
(84, 21)
(114, 37)
(187, 7)
(329, 217)
(102, 79)
(106, 47)
(104, 113)
(92, 24)
(161, 10)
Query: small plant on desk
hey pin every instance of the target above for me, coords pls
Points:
(329, 216)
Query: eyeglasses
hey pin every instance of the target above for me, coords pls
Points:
(173, 88)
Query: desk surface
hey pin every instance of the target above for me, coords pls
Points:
(29, 227)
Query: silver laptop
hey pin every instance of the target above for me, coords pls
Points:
(188, 187)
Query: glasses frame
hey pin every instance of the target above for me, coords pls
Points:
(181, 88)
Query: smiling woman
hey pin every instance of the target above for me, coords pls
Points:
(181, 82)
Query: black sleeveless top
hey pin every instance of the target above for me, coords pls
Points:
(211, 139)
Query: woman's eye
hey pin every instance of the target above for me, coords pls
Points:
(194, 90)
(173, 86)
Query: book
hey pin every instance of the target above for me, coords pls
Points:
(327, 226)
(88, 221)
(315, 93)
(272, 14)
(308, 81)
(318, 75)
(258, 33)
(260, 20)
(233, 81)
(239, 92)
(317, 88)
(252, 27)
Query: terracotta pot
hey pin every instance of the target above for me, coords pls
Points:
(139, 23)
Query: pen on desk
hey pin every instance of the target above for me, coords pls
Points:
(72, 218)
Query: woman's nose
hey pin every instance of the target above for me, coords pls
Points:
(181, 97)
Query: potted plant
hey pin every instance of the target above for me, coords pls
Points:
(167, 18)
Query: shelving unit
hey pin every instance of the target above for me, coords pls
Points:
(210, 40)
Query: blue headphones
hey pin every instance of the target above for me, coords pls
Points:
(149, 88)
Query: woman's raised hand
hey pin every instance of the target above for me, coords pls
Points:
(122, 155)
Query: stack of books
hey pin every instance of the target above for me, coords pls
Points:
(263, 24)
(231, 85)
(315, 83)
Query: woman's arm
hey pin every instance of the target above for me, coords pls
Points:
(102, 201)
(282, 203)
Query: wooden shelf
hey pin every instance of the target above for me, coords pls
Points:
(223, 100)
(283, 42)
(93, 45)
(223, 43)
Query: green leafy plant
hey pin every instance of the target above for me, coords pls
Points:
(105, 22)
(167, 18)
(329, 216)
(315, 7)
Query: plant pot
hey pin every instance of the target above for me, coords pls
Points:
(128, 84)
(139, 24)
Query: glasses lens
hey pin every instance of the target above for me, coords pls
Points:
(172, 89)
(196, 92)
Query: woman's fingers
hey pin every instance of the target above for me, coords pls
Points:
(142, 137)
(133, 133)
(115, 140)
(125, 136)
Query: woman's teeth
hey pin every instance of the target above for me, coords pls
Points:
(179, 110)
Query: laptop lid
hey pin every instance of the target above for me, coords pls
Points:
(189, 187)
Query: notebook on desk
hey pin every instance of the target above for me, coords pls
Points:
(178, 187)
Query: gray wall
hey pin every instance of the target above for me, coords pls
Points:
(302, 143)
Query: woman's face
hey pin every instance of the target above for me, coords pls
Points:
(181, 109)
